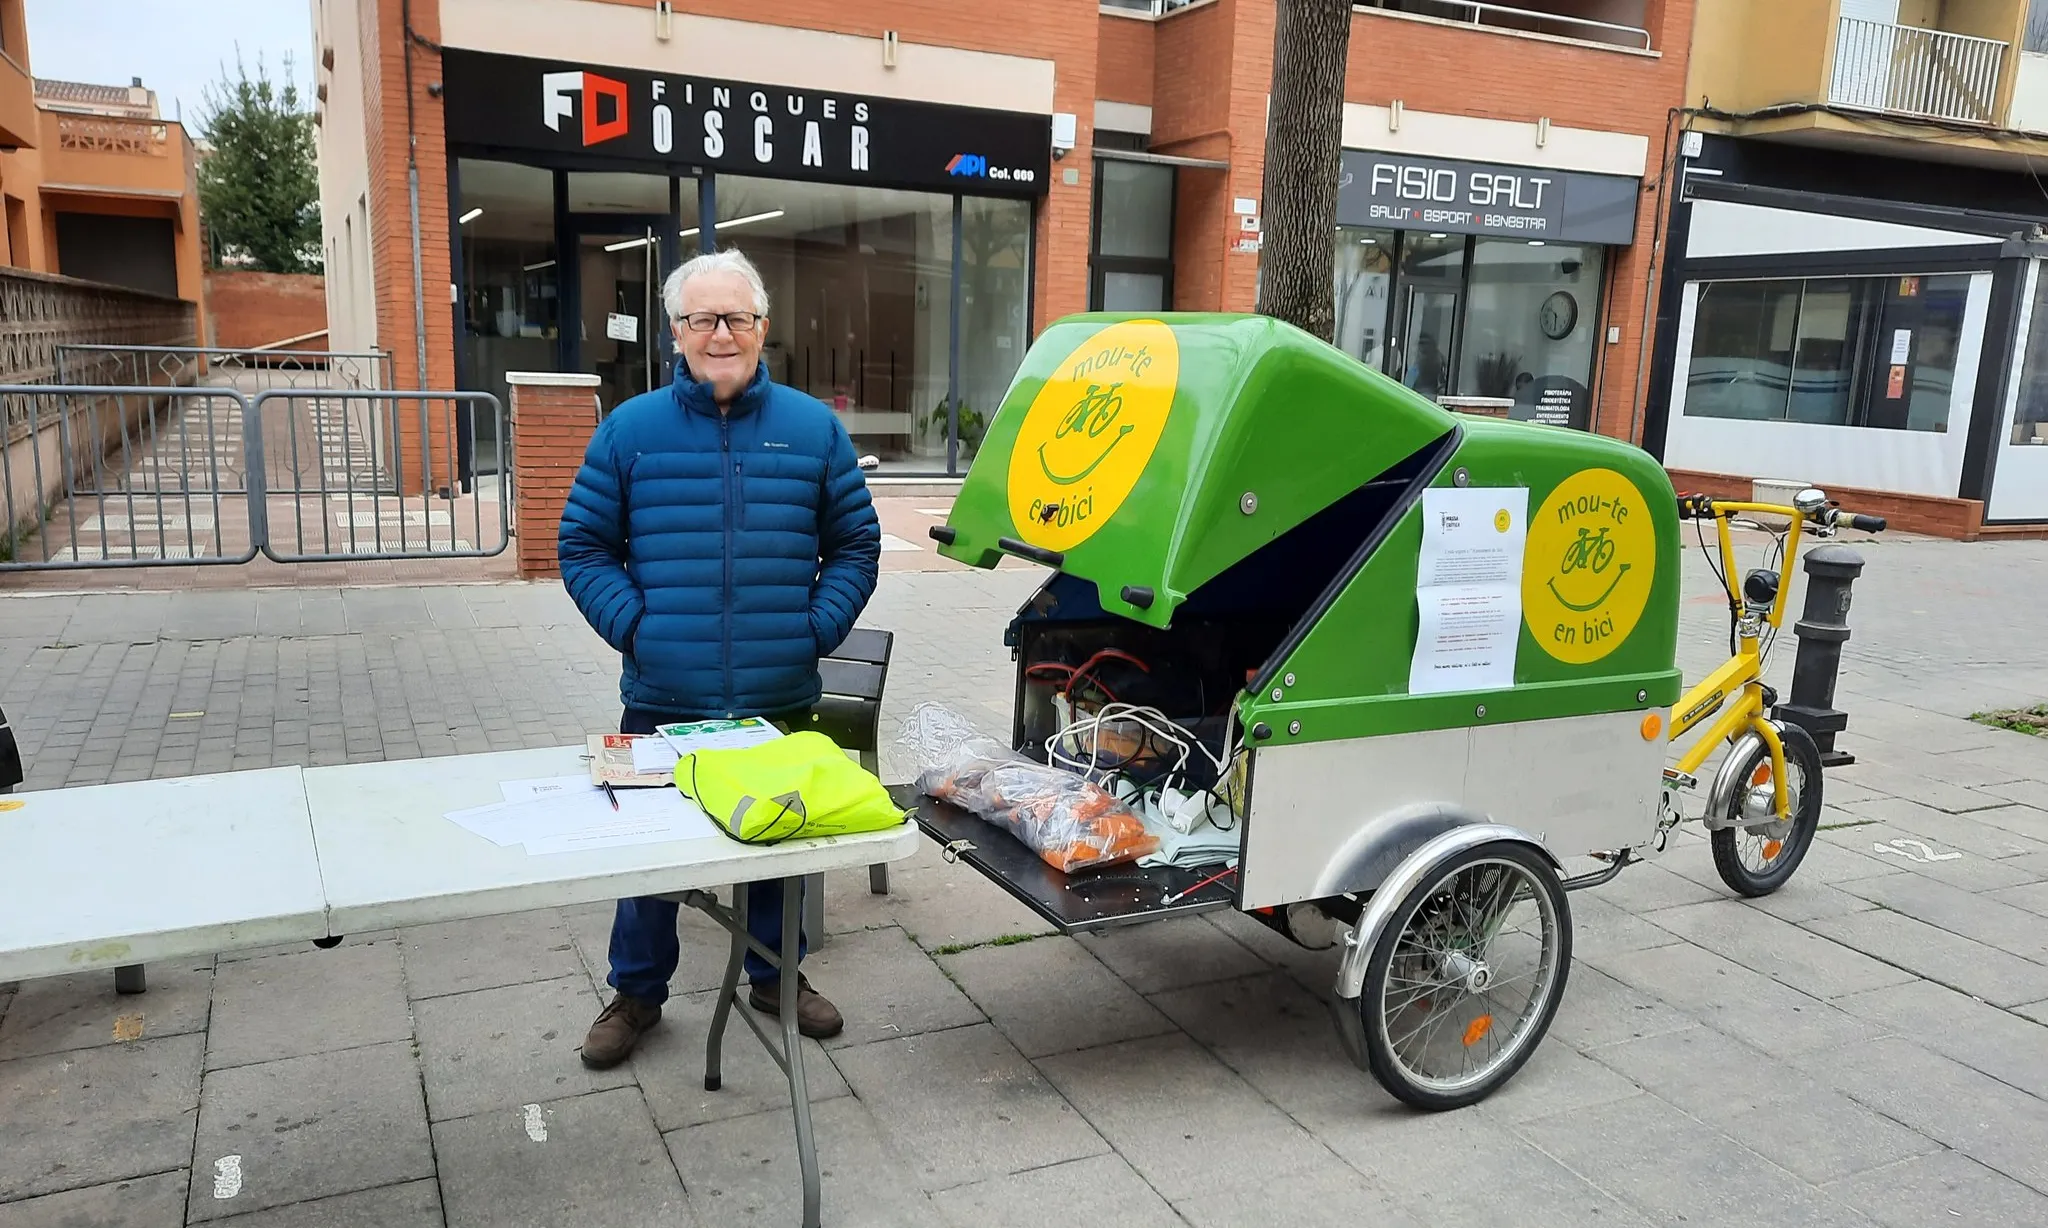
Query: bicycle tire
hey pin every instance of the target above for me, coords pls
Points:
(1802, 762)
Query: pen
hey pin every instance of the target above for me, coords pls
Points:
(610, 796)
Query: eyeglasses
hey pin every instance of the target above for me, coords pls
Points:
(735, 321)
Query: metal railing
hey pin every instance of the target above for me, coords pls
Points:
(186, 364)
(251, 373)
(1509, 17)
(108, 475)
(1151, 8)
(1907, 71)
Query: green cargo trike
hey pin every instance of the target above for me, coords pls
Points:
(1410, 674)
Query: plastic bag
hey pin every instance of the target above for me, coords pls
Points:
(1069, 822)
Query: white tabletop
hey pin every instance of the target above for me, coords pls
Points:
(389, 858)
(126, 873)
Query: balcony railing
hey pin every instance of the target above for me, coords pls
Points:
(1522, 19)
(109, 134)
(1906, 71)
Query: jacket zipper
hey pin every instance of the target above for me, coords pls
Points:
(729, 470)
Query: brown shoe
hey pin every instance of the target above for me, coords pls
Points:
(816, 1017)
(611, 1039)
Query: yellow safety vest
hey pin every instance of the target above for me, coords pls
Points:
(791, 788)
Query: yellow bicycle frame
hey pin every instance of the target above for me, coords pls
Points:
(1741, 679)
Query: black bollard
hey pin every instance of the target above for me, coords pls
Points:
(1830, 571)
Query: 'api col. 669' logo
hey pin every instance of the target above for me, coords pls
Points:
(1592, 557)
(1090, 431)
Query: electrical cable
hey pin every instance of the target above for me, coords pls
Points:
(1714, 565)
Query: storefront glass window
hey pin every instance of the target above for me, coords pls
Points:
(1365, 274)
(860, 290)
(511, 284)
(1835, 351)
(621, 192)
(1531, 313)
(2030, 415)
(995, 295)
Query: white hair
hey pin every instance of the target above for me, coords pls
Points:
(731, 260)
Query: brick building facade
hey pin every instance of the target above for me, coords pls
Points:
(1024, 164)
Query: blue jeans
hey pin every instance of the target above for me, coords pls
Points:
(645, 949)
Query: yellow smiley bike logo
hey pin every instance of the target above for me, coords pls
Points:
(1594, 552)
(1590, 563)
(1090, 431)
(1092, 415)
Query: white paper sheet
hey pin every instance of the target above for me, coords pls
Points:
(566, 822)
(546, 786)
(718, 735)
(1466, 639)
(1469, 589)
(654, 755)
(1473, 535)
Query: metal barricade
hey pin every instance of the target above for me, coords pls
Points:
(111, 475)
(121, 476)
(349, 499)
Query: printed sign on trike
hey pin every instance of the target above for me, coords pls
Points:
(1591, 562)
(1090, 432)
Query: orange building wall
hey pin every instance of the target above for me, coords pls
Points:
(51, 179)
(246, 310)
(1215, 64)
(1124, 59)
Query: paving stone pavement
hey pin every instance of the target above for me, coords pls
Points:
(1867, 1047)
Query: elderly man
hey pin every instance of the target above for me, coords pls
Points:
(720, 536)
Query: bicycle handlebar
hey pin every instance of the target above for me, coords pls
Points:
(1703, 507)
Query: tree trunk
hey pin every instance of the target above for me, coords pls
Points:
(1304, 143)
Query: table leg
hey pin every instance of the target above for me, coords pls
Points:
(792, 1048)
(878, 878)
(728, 990)
(131, 978)
(814, 910)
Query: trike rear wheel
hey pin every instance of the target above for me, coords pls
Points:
(1757, 853)
(1465, 978)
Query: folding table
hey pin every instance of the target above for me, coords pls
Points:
(120, 874)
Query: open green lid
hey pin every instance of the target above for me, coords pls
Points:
(1150, 453)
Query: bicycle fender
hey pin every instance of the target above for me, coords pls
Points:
(1728, 781)
(1417, 864)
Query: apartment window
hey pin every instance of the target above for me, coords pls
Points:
(2035, 36)
(1621, 22)
(1833, 351)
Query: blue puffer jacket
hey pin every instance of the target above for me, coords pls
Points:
(722, 555)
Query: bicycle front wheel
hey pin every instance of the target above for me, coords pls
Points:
(1757, 852)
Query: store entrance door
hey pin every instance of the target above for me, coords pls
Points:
(1426, 312)
(617, 328)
